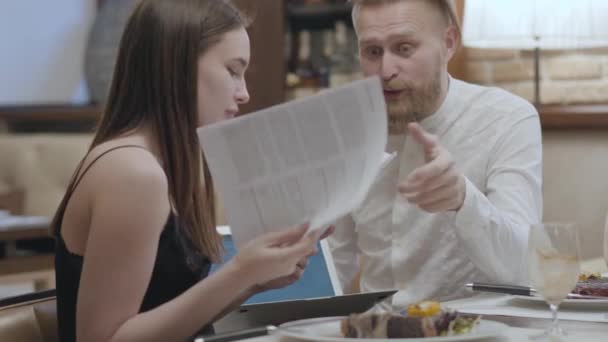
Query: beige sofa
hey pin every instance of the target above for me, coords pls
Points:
(30, 320)
(575, 175)
(40, 166)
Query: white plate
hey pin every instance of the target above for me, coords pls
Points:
(328, 330)
(568, 303)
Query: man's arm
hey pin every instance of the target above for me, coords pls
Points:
(343, 246)
(494, 226)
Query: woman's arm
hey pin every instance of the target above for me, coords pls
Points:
(129, 207)
(277, 283)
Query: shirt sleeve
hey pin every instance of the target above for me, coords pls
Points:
(494, 225)
(343, 246)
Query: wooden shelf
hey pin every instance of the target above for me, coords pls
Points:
(50, 113)
(551, 116)
(58, 119)
(574, 116)
(35, 232)
(312, 11)
(317, 16)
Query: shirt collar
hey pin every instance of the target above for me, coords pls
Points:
(437, 122)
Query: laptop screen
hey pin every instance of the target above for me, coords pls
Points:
(319, 278)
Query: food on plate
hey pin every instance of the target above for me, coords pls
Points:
(425, 319)
(592, 285)
(589, 276)
(424, 309)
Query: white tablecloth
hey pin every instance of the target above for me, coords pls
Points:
(511, 306)
(498, 305)
(513, 335)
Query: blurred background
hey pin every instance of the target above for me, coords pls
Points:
(57, 59)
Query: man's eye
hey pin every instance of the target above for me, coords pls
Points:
(374, 51)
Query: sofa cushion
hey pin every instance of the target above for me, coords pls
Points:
(40, 165)
(32, 320)
(19, 324)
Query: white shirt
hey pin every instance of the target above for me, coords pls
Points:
(495, 139)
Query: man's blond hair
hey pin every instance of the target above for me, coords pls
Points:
(447, 8)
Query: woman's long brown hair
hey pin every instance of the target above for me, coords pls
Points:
(155, 83)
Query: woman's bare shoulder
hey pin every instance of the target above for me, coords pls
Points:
(131, 171)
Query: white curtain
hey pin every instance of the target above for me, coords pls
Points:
(42, 46)
(526, 24)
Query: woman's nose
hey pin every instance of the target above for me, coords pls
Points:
(242, 95)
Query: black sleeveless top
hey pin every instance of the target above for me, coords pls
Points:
(173, 271)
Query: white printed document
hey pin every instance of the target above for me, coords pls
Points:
(309, 160)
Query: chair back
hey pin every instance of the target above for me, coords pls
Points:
(29, 318)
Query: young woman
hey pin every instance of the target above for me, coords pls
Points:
(136, 229)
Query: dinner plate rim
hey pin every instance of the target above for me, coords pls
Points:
(494, 329)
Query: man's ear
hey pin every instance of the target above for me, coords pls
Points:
(451, 39)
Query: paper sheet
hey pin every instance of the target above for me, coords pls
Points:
(308, 160)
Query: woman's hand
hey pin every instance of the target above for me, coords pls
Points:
(275, 255)
(287, 280)
(284, 281)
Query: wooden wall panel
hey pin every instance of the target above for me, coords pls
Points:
(266, 75)
(458, 64)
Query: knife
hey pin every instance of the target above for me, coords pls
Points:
(520, 290)
(237, 335)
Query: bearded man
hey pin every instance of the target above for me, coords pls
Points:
(457, 202)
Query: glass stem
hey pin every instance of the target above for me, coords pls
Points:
(555, 323)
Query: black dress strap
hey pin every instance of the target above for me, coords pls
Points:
(81, 175)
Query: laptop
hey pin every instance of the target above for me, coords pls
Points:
(319, 280)
(275, 313)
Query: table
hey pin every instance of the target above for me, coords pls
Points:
(16, 228)
(23, 227)
(521, 328)
(514, 335)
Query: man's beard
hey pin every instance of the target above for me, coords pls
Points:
(414, 104)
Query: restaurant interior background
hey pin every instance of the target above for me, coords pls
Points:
(51, 94)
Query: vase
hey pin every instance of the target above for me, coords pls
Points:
(102, 46)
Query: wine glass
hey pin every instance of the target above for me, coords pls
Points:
(606, 242)
(554, 265)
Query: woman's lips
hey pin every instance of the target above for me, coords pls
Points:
(230, 114)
